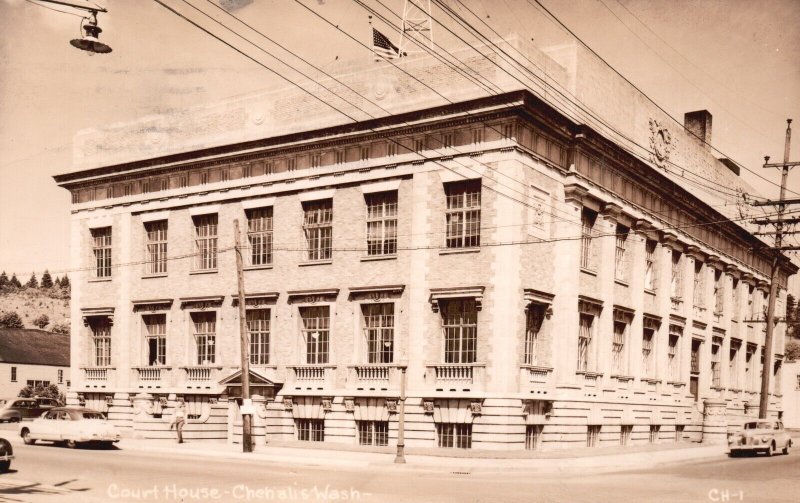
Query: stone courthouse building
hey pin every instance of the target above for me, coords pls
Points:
(542, 277)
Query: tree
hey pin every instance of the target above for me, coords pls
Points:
(60, 328)
(10, 319)
(33, 282)
(58, 282)
(792, 351)
(49, 391)
(15, 282)
(41, 321)
(65, 283)
(47, 281)
(3, 281)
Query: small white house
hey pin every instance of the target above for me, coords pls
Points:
(32, 357)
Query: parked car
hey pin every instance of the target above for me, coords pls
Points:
(6, 455)
(70, 425)
(16, 409)
(760, 436)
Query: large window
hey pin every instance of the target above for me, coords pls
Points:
(101, 248)
(533, 325)
(258, 329)
(382, 223)
(715, 364)
(156, 338)
(650, 272)
(625, 434)
(621, 255)
(619, 364)
(673, 353)
(205, 242)
(205, 335)
(101, 341)
(733, 364)
(699, 284)
(749, 374)
(454, 435)
(593, 435)
(318, 228)
(310, 430)
(588, 219)
(13, 374)
(676, 286)
(460, 324)
(648, 368)
(259, 235)
(463, 216)
(533, 437)
(585, 341)
(379, 332)
(373, 432)
(316, 333)
(156, 247)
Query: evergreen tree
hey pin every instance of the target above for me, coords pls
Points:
(65, 283)
(47, 281)
(57, 284)
(33, 282)
(10, 319)
(3, 280)
(15, 282)
(791, 304)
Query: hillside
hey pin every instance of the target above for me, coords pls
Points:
(32, 303)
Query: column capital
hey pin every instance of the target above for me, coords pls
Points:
(715, 262)
(671, 240)
(696, 253)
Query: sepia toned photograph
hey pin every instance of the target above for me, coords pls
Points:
(378, 251)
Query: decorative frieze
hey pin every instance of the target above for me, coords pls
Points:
(202, 303)
(312, 296)
(376, 293)
(444, 294)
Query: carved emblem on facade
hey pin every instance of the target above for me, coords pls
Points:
(81, 400)
(287, 403)
(349, 404)
(427, 406)
(475, 407)
(661, 144)
(327, 404)
(391, 405)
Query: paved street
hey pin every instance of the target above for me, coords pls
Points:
(56, 474)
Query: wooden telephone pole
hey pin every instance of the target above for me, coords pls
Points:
(247, 406)
(776, 263)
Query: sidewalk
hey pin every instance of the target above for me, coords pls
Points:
(599, 459)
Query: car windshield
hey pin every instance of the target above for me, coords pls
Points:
(93, 415)
(759, 426)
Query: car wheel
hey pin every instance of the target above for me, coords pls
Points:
(771, 449)
(786, 448)
(5, 465)
(71, 444)
(26, 437)
(13, 420)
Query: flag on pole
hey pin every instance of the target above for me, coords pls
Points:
(382, 47)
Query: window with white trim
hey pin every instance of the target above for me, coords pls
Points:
(378, 320)
(205, 336)
(60, 376)
(593, 435)
(534, 318)
(673, 353)
(101, 249)
(13, 374)
(588, 219)
(650, 271)
(715, 364)
(259, 235)
(619, 364)
(460, 327)
(676, 285)
(533, 437)
(316, 333)
(310, 430)
(156, 248)
(101, 341)
(585, 345)
(373, 433)
(155, 326)
(733, 364)
(258, 325)
(648, 356)
(381, 223)
(205, 242)
(454, 435)
(699, 284)
(463, 214)
(318, 229)
(621, 254)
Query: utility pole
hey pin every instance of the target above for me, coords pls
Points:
(247, 406)
(776, 263)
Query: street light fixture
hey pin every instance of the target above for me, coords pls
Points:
(88, 42)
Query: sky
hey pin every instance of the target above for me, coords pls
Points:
(736, 58)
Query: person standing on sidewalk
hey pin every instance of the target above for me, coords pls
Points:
(179, 419)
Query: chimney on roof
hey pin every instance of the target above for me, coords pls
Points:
(699, 124)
